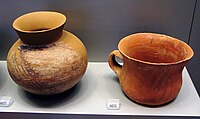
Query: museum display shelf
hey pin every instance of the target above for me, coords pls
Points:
(90, 95)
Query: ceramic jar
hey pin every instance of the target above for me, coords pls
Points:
(152, 67)
(46, 59)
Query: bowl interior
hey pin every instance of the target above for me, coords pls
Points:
(155, 48)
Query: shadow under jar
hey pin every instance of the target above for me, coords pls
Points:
(152, 67)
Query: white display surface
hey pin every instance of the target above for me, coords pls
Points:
(90, 95)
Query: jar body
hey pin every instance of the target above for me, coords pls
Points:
(48, 69)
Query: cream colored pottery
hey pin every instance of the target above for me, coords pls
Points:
(46, 60)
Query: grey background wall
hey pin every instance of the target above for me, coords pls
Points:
(100, 24)
(194, 64)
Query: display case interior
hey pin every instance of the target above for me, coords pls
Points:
(100, 25)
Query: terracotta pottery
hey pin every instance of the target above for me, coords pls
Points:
(46, 60)
(152, 67)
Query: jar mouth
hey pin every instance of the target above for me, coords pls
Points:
(40, 21)
(155, 49)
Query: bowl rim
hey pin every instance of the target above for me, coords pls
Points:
(39, 31)
(154, 63)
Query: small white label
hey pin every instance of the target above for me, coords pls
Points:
(113, 104)
(5, 101)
